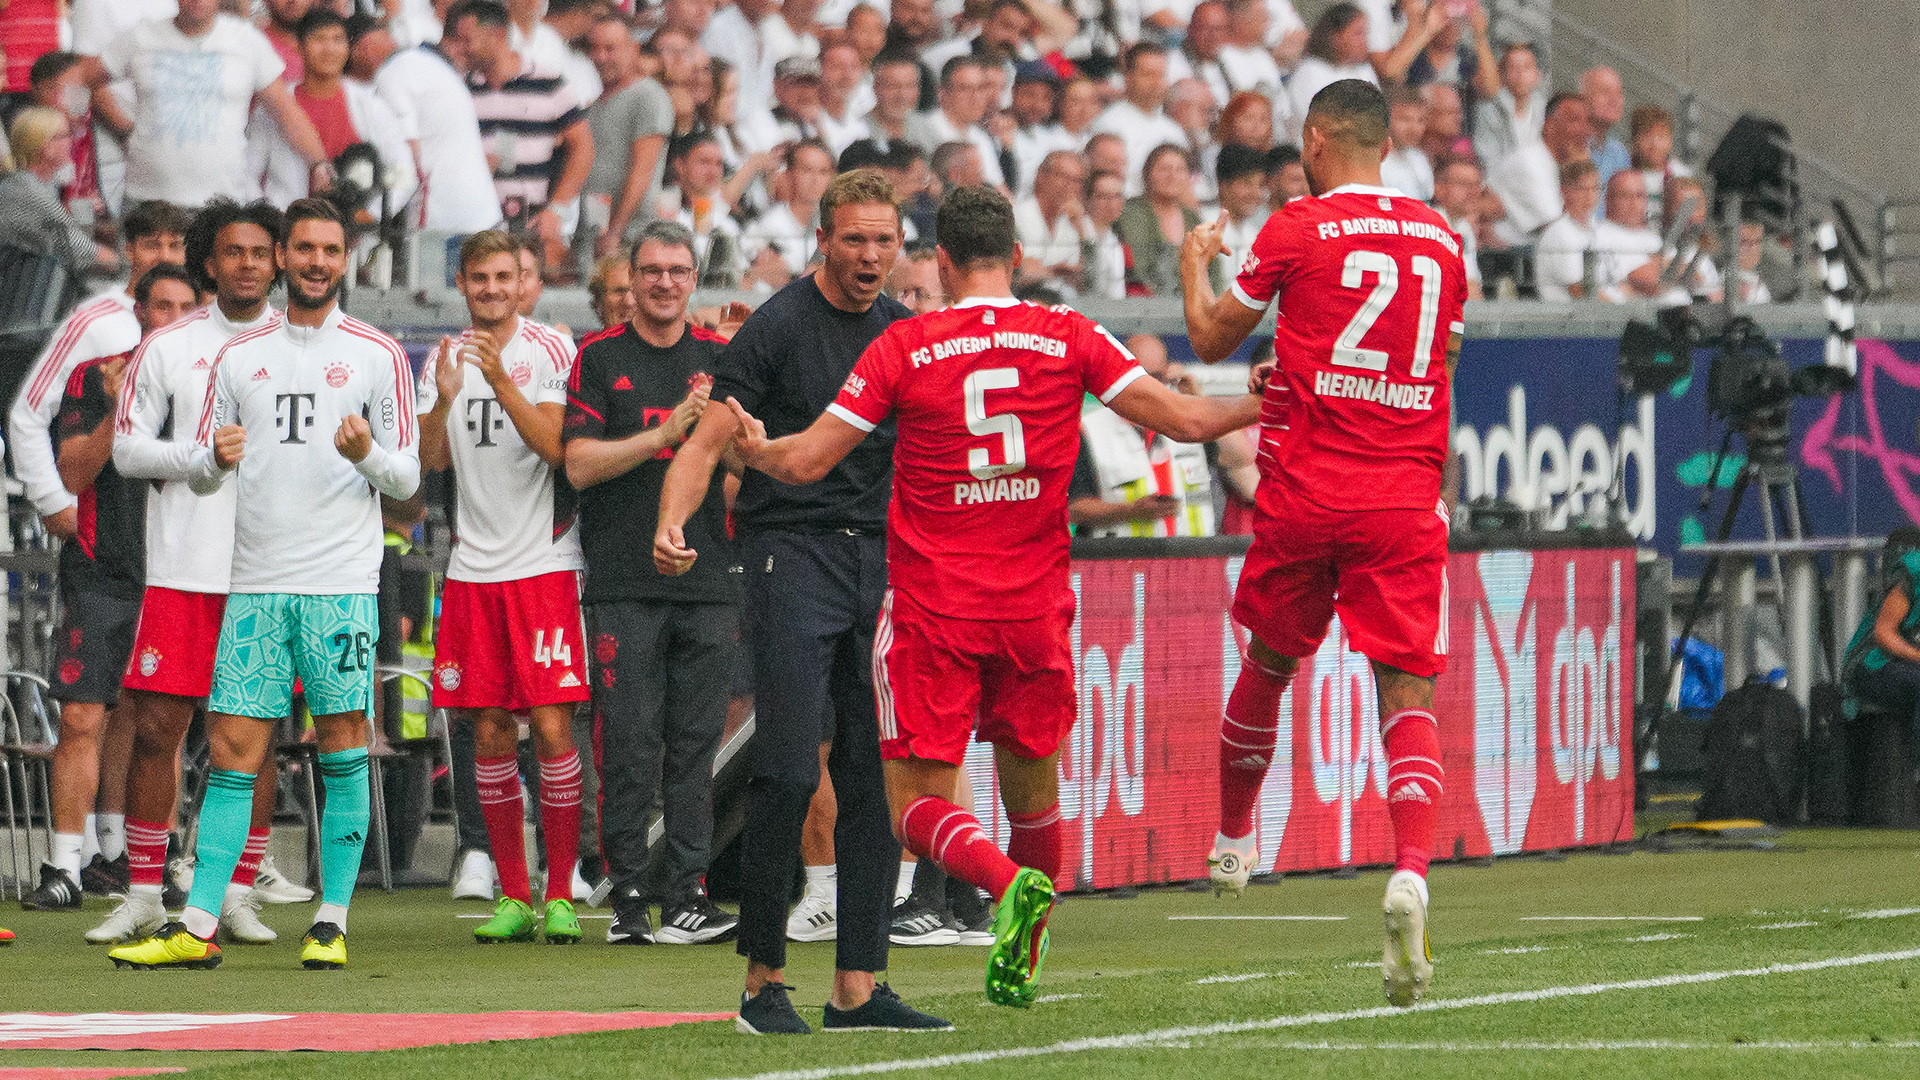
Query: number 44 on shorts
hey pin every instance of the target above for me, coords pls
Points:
(558, 653)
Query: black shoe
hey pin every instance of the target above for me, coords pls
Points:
(693, 920)
(632, 923)
(967, 903)
(56, 892)
(914, 923)
(104, 877)
(884, 1011)
(770, 1012)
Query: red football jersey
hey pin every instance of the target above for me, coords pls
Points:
(1371, 285)
(987, 394)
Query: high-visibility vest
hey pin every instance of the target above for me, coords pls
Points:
(1130, 464)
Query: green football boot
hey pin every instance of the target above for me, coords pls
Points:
(563, 926)
(512, 921)
(1019, 940)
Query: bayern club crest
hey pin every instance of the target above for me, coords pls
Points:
(522, 374)
(149, 661)
(338, 374)
(450, 677)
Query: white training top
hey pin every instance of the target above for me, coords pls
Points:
(189, 538)
(507, 525)
(103, 326)
(308, 520)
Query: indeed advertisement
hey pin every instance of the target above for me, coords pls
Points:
(1535, 721)
(1540, 424)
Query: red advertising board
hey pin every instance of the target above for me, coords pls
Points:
(1535, 721)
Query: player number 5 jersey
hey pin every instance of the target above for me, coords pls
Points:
(508, 524)
(987, 394)
(1371, 286)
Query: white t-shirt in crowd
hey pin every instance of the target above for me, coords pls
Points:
(935, 130)
(433, 102)
(189, 537)
(191, 98)
(1383, 31)
(1312, 76)
(1408, 170)
(1045, 243)
(1559, 257)
(787, 234)
(1143, 132)
(505, 527)
(1623, 250)
(307, 519)
(96, 23)
(1528, 183)
(1469, 244)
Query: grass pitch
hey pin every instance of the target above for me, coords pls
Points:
(1752, 969)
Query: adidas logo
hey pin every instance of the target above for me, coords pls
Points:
(689, 920)
(201, 364)
(1409, 792)
(1251, 761)
(623, 383)
(569, 679)
(354, 837)
(261, 375)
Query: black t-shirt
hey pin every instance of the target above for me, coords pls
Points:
(621, 386)
(110, 554)
(786, 365)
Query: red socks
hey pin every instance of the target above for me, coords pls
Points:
(935, 829)
(1247, 734)
(560, 821)
(1412, 739)
(146, 852)
(1036, 841)
(499, 782)
(248, 867)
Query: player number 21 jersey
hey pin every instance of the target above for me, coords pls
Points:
(1371, 286)
(987, 396)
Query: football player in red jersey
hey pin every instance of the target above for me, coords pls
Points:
(987, 397)
(1353, 445)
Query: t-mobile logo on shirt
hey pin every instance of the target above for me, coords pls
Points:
(291, 416)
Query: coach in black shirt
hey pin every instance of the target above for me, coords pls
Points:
(662, 647)
(815, 561)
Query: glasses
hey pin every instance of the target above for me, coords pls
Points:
(679, 275)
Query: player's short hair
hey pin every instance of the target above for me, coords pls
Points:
(975, 224)
(953, 66)
(861, 187)
(484, 12)
(1561, 98)
(1575, 171)
(862, 154)
(1350, 112)
(1647, 118)
(670, 233)
(153, 217)
(213, 218)
(50, 66)
(1281, 156)
(1137, 50)
(159, 272)
(1236, 161)
(792, 153)
(485, 245)
(311, 208)
(316, 20)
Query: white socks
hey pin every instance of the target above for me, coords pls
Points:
(111, 829)
(824, 882)
(333, 913)
(89, 839)
(903, 888)
(201, 924)
(65, 855)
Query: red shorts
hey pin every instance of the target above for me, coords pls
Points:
(936, 677)
(174, 644)
(1384, 572)
(510, 644)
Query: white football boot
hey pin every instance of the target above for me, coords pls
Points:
(1406, 965)
(1231, 864)
(137, 917)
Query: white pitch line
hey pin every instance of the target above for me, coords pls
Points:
(1657, 937)
(1519, 951)
(1256, 918)
(1597, 1044)
(1787, 925)
(1886, 913)
(1616, 918)
(1250, 976)
(1148, 1039)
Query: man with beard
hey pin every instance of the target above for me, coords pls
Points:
(815, 569)
(306, 567)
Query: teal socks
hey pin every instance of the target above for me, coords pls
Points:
(225, 815)
(343, 824)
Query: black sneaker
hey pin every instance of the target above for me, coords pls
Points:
(970, 909)
(105, 877)
(632, 923)
(56, 892)
(884, 1011)
(770, 1012)
(914, 923)
(694, 920)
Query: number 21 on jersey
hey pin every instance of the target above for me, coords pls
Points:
(1347, 350)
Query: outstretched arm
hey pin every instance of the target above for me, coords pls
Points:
(1215, 324)
(800, 458)
(1184, 418)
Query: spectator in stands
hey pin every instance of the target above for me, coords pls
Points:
(1199, 54)
(281, 24)
(841, 71)
(1337, 49)
(32, 217)
(1286, 176)
(866, 31)
(1459, 56)
(1153, 225)
(698, 200)
(1696, 243)
(1247, 120)
(533, 279)
(914, 26)
(344, 112)
(957, 164)
(1514, 117)
(796, 97)
(964, 101)
(534, 131)
(1606, 105)
(779, 243)
(789, 32)
(1103, 257)
(1456, 194)
(1078, 111)
(1241, 177)
(1528, 179)
(432, 101)
(1191, 105)
(546, 49)
(1035, 92)
(689, 17)
(1630, 261)
(1445, 117)
(630, 124)
(915, 281)
(194, 79)
(911, 174)
(896, 90)
(1748, 288)
(1053, 223)
(610, 289)
(1139, 118)
(738, 35)
(29, 29)
(1131, 482)
(1650, 135)
(1248, 64)
(1406, 167)
(744, 151)
(1562, 258)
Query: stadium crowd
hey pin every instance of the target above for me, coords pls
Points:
(1115, 127)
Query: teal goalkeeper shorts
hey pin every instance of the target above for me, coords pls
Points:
(268, 638)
